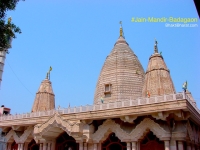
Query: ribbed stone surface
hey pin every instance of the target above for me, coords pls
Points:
(157, 79)
(123, 71)
(45, 99)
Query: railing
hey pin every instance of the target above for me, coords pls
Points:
(104, 106)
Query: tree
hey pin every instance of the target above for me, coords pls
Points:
(7, 28)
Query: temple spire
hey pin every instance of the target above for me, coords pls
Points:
(156, 47)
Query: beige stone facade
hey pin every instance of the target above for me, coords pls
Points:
(123, 116)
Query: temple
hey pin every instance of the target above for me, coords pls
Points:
(132, 110)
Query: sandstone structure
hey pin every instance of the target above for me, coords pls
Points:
(132, 110)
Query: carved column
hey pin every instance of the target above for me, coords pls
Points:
(180, 145)
(173, 144)
(48, 146)
(189, 146)
(18, 146)
(40, 146)
(85, 146)
(134, 146)
(26, 146)
(99, 146)
(166, 145)
(128, 145)
(9, 146)
(81, 146)
(53, 145)
(193, 147)
(44, 146)
(95, 146)
(138, 145)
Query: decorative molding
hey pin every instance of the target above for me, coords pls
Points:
(9, 135)
(105, 129)
(147, 123)
(129, 119)
(57, 121)
(110, 126)
(22, 138)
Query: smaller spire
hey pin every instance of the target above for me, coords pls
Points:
(121, 29)
(156, 47)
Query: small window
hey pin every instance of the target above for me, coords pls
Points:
(107, 91)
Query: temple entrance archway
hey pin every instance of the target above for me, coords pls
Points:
(33, 146)
(150, 141)
(66, 142)
(113, 143)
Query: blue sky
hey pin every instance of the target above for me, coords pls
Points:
(75, 38)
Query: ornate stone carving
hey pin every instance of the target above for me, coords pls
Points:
(128, 119)
(147, 123)
(110, 126)
(57, 121)
(9, 135)
(22, 138)
(106, 128)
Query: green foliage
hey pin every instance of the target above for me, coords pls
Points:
(7, 28)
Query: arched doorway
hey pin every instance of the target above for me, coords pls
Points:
(33, 146)
(151, 142)
(14, 146)
(113, 143)
(66, 142)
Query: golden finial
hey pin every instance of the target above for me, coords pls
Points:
(155, 46)
(156, 42)
(47, 75)
(121, 30)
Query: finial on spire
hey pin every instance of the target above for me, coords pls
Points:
(48, 73)
(121, 30)
(156, 47)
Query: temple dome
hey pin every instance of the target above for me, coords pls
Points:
(45, 98)
(157, 79)
(122, 75)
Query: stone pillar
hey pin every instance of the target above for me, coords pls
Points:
(40, 146)
(85, 146)
(9, 146)
(180, 145)
(26, 146)
(48, 146)
(128, 145)
(95, 146)
(19, 146)
(193, 147)
(189, 146)
(134, 146)
(138, 145)
(81, 146)
(44, 146)
(53, 145)
(173, 144)
(166, 145)
(99, 146)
